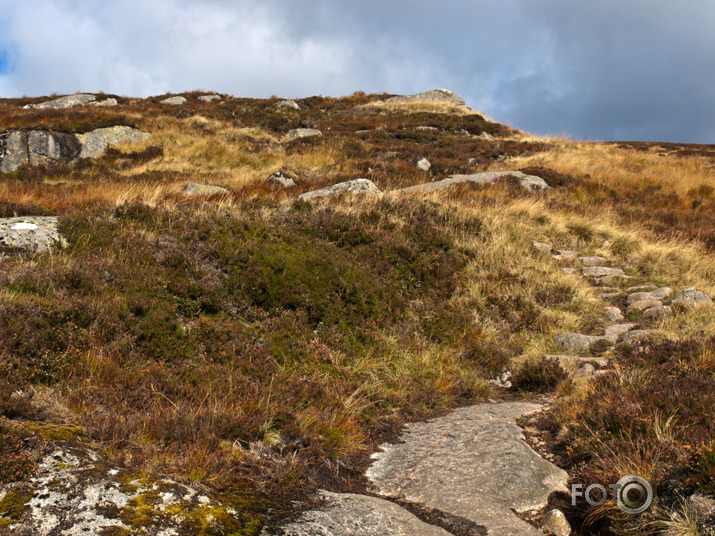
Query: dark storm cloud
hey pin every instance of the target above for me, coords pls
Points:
(604, 69)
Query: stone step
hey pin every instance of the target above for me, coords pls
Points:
(658, 294)
(592, 261)
(613, 332)
(601, 271)
(614, 314)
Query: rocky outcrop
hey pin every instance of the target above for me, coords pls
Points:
(33, 233)
(209, 98)
(288, 104)
(96, 142)
(357, 186)
(472, 463)
(347, 514)
(40, 146)
(300, 133)
(436, 95)
(528, 182)
(203, 189)
(104, 104)
(69, 101)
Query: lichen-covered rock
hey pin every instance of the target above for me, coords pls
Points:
(300, 133)
(203, 189)
(74, 493)
(435, 95)
(33, 233)
(472, 463)
(357, 186)
(13, 151)
(692, 297)
(528, 182)
(68, 101)
(348, 514)
(96, 142)
(174, 101)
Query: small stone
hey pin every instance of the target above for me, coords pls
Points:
(556, 523)
(174, 101)
(424, 165)
(585, 371)
(289, 104)
(658, 294)
(613, 332)
(357, 186)
(656, 313)
(692, 297)
(601, 271)
(209, 98)
(281, 179)
(614, 314)
(565, 254)
(300, 133)
(203, 189)
(570, 270)
(642, 305)
(592, 261)
(541, 246)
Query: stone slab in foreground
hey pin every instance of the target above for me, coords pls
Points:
(34, 233)
(347, 514)
(472, 463)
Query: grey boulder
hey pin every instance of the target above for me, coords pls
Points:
(209, 98)
(357, 186)
(576, 342)
(656, 313)
(614, 314)
(592, 261)
(174, 101)
(658, 294)
(424, 164)
(33, 233)
(281, 179)
(96, 142)
(641, 305)
(13, 151)
(348, 514)
(300, 133)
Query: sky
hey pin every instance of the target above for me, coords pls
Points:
(596, 69)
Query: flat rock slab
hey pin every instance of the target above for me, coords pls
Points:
(68, 101)
(528, 182)
(347, 514)
(601, 271)
(357, 186)
(614, 314)
(658, 294)
(34, 233)
(592, 261)
(473, 463)
(616, 330)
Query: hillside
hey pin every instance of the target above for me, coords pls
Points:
(212, 342)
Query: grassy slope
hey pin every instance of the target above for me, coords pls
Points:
(255, 344)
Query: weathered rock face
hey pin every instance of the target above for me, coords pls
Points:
(68, 101)
(39, 146)
(528, 182)
(692, 297)
(299, 133)
(34, 233)
(357, 186)
(174, 101)
(346, 514)
(472, 463)
(96, 142)
(436, 95)
(203, 189)
(13, 151)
